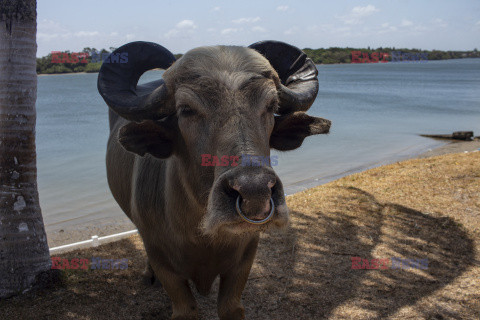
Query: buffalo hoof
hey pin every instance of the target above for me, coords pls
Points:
(236, 314)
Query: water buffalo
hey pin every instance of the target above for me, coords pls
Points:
(198, 222)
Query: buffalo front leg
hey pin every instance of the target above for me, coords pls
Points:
(232, 284)
(183, 303)
(148, 276)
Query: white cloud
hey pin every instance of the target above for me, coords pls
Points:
(47, 36)
(114, 34)
(259, 29)
(171, 33)
(358, 14)
(86, 34)
(130, 36)
(216, 9)
(420, 28)
(386, 27)
(282, 8)
(440, 23)
(184, 28)
(246, 20)
(186, 24)
(406, 23)
(230, 30)
(46, 27)
(478, 23)
(291, 31)
(364, 11)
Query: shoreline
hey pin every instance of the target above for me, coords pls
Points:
(107, 226)
(318, 64)
(60, 74)
(451, 147)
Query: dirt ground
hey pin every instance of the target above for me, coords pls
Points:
(416, 209)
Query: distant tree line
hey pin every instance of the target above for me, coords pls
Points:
(344, 55)
(319, 56)
(50, 65)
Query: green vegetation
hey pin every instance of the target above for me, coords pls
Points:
(319, 56)
(344, 55)
(46, 66)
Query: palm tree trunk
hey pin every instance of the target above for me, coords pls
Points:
(23, 244)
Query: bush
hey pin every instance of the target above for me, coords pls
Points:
(93, 67)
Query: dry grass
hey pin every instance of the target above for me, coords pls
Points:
(427, 208)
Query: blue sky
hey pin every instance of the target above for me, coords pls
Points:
(183, 25)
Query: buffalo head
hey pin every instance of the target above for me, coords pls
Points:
(223, 101)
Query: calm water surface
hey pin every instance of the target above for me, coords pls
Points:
(377, 111)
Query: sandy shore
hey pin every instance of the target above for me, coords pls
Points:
(71, 234)
(85, 231)
(452, 147)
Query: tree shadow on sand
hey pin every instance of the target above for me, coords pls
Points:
(306, 273)
(302, 273)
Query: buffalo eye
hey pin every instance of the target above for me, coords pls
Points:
(187, 111)
(272, 106)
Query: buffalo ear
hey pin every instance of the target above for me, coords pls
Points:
(153, 137)
(290, 130)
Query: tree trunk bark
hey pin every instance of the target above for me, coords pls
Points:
(23, 244)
